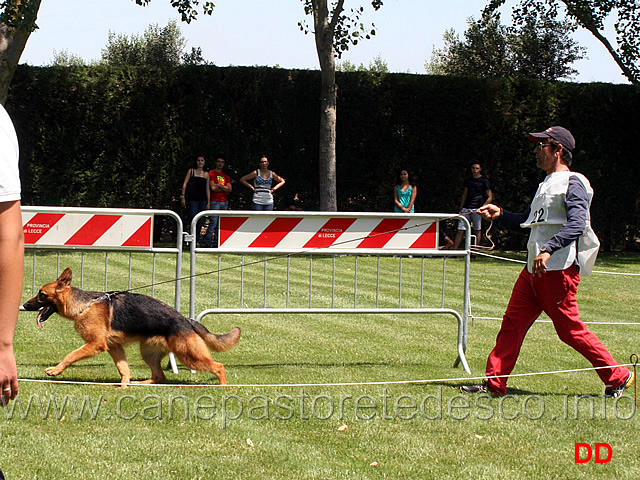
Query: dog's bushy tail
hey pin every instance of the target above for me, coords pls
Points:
(218, 343)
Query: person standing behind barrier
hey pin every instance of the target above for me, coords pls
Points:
(11, 255)
(404, 197)
(220, 184)
(477, 193)
(262, 186)
(404, 194)
(561, 246)
(195, 193)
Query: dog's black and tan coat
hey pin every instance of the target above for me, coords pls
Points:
(109, 322)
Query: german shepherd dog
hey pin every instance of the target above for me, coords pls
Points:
(108, 322)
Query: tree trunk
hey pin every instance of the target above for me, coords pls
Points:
(13, 39)
(328, 100)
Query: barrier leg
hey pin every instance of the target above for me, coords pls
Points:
(172, 362)
(461, 345)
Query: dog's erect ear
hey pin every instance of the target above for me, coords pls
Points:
(65, 279)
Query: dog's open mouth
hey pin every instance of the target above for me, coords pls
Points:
(45, 313)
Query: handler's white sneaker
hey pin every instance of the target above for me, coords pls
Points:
(619, 391)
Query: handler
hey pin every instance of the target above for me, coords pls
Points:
(561, 246)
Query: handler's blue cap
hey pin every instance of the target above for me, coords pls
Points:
(559, 134)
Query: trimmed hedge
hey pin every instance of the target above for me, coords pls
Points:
(124, 137)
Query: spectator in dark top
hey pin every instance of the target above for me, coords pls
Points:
(196, 193)
(477, 193)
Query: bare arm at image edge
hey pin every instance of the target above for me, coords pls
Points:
(11, 269)
(11, 255)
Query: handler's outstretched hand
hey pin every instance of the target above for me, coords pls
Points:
(489, 211)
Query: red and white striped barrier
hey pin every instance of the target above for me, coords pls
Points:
(317, 232)
(87, 229)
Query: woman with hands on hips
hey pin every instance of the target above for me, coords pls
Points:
(262, 185)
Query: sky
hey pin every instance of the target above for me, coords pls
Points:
(266, 33)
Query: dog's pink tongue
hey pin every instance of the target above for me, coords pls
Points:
(38, 320)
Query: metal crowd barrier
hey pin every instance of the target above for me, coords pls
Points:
(264, 237)
(318, 238)
(60, 231)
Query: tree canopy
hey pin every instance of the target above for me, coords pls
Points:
(592, 15)
(377, 65)
(539, 48)
(18, 21)
(345, 25)
(186, 8)
(65, 58)
(159, 47)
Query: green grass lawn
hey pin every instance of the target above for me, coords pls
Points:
(192, 429)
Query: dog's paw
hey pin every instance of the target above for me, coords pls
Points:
(53, 371)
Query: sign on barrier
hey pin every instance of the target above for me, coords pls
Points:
(87, 229)
(345, 232)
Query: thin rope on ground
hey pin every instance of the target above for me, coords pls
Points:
(497, 257)
(618, 273)
(330, 384)
(549, 321)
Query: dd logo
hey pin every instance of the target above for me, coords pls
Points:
(589, 452)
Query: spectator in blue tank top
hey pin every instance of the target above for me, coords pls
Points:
(404, 197)
(404, 194)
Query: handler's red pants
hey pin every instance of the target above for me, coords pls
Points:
(554, 293)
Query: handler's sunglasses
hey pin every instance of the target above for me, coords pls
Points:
(541, 145)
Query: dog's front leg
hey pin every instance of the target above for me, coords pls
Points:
(120, 359)
(88, 350)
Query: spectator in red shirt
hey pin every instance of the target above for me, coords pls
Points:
(220, 189)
